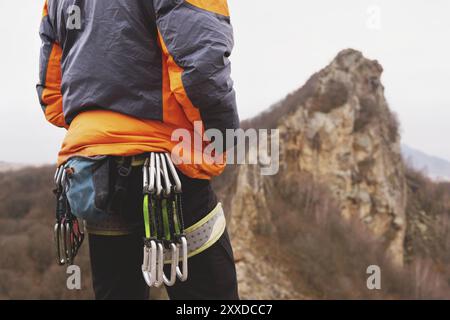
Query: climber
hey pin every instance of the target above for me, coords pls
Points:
(120, 77)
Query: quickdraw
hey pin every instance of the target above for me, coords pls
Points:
(163, 219)
(67, 232)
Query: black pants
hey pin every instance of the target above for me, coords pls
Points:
(116, 260)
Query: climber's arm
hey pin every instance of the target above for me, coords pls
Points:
(197, 38)
(49, 86)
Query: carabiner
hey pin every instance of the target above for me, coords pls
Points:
(165, 174)
(161, 181)
(158, 176)
(174, 172)
(57, 177)
(152, 172)
(60, 252)
(173, 269)
(149, 264)
(62, 180)
(159, 265)
(183, 273)
(67, 233)
(68, 244)
(145, 176)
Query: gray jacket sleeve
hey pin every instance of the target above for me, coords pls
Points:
(200, 42)
(49, 86)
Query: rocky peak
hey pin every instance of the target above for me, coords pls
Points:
(345, 136)
(339, 131)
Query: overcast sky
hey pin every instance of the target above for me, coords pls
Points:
(279, 44)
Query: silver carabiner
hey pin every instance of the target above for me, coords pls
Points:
(68, 245)
(56, 176)
(59, 228)
(62, 181)
(145, 175)
(152, 173)
(165, 174)
(59, 241)
(183, 273)
(174, 172)
(159, 266)
(158, 176)
(173, 269)
(149, 264)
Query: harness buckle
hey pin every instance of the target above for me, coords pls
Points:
(125, 168)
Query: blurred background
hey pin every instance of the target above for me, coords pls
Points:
(365, 162)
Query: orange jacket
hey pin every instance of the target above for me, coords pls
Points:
(121, 83)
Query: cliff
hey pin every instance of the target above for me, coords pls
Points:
(339, 198)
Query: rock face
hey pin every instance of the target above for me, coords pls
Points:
(339, 130)
(347, 138)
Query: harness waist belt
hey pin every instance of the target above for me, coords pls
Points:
(203, 234)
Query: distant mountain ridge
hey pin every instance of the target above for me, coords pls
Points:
(434, 167)
(7, 166)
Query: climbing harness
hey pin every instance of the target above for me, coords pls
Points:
(67, 230)
(166, 240)
(163, 219)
